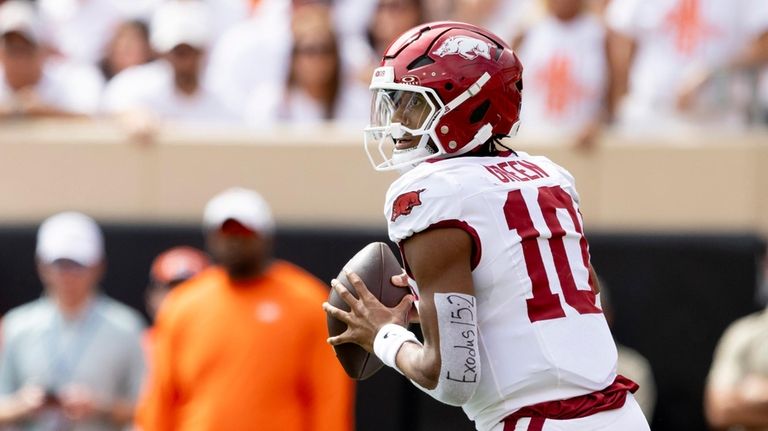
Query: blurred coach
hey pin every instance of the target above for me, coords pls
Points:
(241, 346)
(71, 360)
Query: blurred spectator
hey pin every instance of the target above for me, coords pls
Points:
(685, 65)
(242, 346)
(71, 359)
(81, 29)
(252, 55)
(566, 75)
(172, 87)
(129, 47)
(391, 19)
(351, 17)
(762, 108)
(503, 17)
(736, 396)
(630, 362)
(31, 84)
(256, 54)
(313, 92)
(169, 269)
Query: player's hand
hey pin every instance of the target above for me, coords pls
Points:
(402, 281)
(366, 316)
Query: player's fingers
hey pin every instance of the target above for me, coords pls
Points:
(404, 306)
(400, 280)
(337, 313)
(345, 294)
(344, 337)
(357, 283)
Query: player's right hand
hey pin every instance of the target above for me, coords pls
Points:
(402, 281)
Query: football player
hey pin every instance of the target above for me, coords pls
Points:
(492, 242)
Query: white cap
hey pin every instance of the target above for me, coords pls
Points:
(70, 235)
(242, 205)
(19, 16)
(179, 22)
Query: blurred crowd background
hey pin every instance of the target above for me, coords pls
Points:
(642, 68)
(137, 112)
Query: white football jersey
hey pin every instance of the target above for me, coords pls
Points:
(542, 335)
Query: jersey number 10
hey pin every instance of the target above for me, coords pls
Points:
(545, 304)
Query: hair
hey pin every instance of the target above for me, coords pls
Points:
(419, 4)
(139, 25)
(311, 21)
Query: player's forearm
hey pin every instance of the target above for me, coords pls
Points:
(419, 364)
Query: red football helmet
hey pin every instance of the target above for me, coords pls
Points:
(451, 85)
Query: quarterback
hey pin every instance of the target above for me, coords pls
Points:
(493, 245)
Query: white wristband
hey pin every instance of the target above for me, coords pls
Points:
(388, 341)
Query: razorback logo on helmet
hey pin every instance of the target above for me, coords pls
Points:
(405, 203)
(465, 46)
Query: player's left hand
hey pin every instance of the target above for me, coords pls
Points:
(367, 314)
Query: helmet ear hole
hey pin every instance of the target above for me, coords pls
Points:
(480, 111)
(519, 85)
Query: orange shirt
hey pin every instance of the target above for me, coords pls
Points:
(245, 356)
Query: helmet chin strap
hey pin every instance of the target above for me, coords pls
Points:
(417, 154)
(482, 136)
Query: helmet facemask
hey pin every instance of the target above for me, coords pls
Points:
(403, 119)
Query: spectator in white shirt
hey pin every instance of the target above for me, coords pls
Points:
(252, 54)
(128, 47)
(312, 92)
(566, 75)
(684, 63)
(81, 29)
(171, 88)
(31, 83)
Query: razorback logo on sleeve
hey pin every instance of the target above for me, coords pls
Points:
(405, 203)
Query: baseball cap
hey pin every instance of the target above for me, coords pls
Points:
(70, 235)
(19, 16)
(241, 205)
(179, 22)
(178, 264)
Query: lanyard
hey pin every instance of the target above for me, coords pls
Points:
(65, 357)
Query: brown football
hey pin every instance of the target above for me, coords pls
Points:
(375, 264)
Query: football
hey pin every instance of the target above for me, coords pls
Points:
(375, 265)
